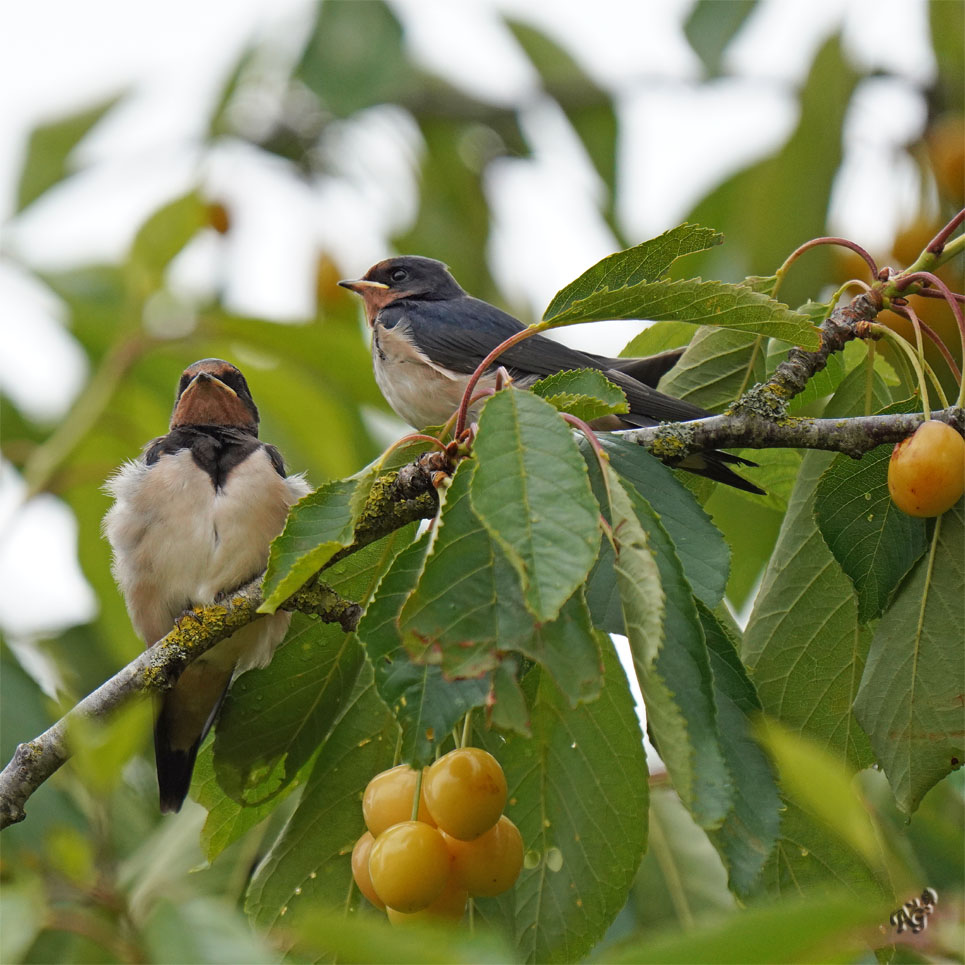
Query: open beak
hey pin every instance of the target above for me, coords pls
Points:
(361, 285)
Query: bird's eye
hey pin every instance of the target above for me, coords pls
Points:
(398, 274)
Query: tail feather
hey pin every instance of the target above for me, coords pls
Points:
(185, 716)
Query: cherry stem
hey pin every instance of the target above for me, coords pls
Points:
(813, 243)
(416, 796)
(483, 365)
(937, 245)
(899, 340)
(908, 312)
(466, 728)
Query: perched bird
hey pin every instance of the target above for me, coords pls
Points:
(191, 522)
(428, 336)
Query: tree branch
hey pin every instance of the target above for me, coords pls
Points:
(396, 499)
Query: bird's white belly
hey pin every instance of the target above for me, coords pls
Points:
(419, 393)
(179, 542)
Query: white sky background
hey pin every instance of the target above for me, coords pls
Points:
(58, 56)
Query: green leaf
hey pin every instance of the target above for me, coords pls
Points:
(873, 541)
(910, 698)
(585, 393)
(568, 648)
(645, 262)
(531, 491)
(49, 147)
(467, 605)
(275, 718)
(717, 367)
(658, 337)
(711, 26)
(751, 828)
(698, 543)
(803, 643)
(827, 929)
(578, 793)
(506, 707)
(699, 302)
(160, 238)
(426, 704)
(678, 686)
(318, 526)
(309, 865)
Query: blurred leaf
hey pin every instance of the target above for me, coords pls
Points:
(203, 930)
(827, 929)
(50, 146)
(750, 830)
(426, 704)
(795, 181)
(531, 491)
(910, 698)
(812, 860)
(873, 541)
(309, 865)
(329, 935)
(821, 785)
(318, 526)
(468, 604)
(578, 793)
(587, 106)
(681, 878)
(716, 303)
(712, 25)
(23, 909)
(354, 57)
(100, 747)
(71, 853)
(160, 238)
(586, 393)
(658, 337)
(648, 261)
(717, 367)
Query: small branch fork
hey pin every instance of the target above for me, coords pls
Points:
(404, 497)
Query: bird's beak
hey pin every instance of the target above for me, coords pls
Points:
(361, 285)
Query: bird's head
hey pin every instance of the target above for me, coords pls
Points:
(408, 276)
(213, 392)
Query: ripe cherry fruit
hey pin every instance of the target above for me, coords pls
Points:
(388, 799)
(465, 791)
(409, 866)
(489, 865)
(360, 868)
(926, 474)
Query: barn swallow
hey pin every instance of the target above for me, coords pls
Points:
(428, 336)
(191, 522)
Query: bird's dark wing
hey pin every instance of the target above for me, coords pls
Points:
(458, 333)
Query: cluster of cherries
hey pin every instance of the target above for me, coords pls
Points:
(460, 845)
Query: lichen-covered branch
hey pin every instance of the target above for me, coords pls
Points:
(397, 499)
(854, 436)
